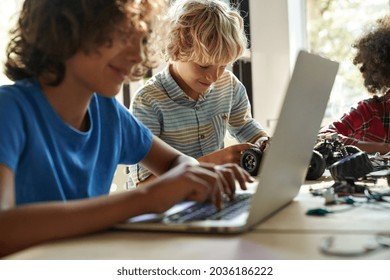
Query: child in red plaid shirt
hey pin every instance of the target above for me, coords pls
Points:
(367, 126)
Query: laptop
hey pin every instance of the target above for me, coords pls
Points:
(283, 167)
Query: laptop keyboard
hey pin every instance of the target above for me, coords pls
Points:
(206, 210)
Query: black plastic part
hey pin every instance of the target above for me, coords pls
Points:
(351, 167)
(316, 167)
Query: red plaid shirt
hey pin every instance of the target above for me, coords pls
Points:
(368, 122)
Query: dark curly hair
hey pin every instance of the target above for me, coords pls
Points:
(373, 57)
(49, 32)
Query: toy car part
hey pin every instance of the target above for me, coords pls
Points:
(351, 167)
(251, 159)
(317, 166)
(327, 151)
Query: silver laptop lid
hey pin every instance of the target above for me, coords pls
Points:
(284, 165)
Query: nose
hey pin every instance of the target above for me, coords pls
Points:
(135, 52)
(214, 74)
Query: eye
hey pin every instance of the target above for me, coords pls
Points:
(204, 66)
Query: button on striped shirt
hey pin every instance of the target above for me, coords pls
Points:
(194, 127)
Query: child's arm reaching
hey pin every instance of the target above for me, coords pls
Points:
(184, 179)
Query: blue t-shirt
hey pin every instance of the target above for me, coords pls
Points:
(53, 161)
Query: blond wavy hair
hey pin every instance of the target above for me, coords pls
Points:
(204, 31)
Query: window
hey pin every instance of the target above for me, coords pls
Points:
(8, 9)
(332, 28)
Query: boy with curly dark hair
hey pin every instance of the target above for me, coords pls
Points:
(63, 132)
(367, 126)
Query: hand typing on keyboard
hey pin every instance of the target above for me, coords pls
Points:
(229, 174)
(203, 182)
(206, 210)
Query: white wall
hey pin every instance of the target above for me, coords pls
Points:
(277, 33)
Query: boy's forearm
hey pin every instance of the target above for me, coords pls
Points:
(372, 147)
(37, 223)
(183, 159)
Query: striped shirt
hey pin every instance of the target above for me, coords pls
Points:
(368, 122)
(194, 127)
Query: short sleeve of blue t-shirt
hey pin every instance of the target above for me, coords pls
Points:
(52, 160)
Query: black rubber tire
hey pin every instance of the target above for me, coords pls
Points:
(351, 167)
(325, 150)
(316, 167)
(251, 159)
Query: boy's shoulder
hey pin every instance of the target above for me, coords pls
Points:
(228, 74)
(156, 84)
(20, 90)
(375, 99)
(21, 100)
(152, 86)
(228, 77)
(18, 86)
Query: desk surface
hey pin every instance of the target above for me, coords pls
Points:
(289, 234)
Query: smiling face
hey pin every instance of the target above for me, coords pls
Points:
(194, 78)
(203, 37)
(105, 70)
